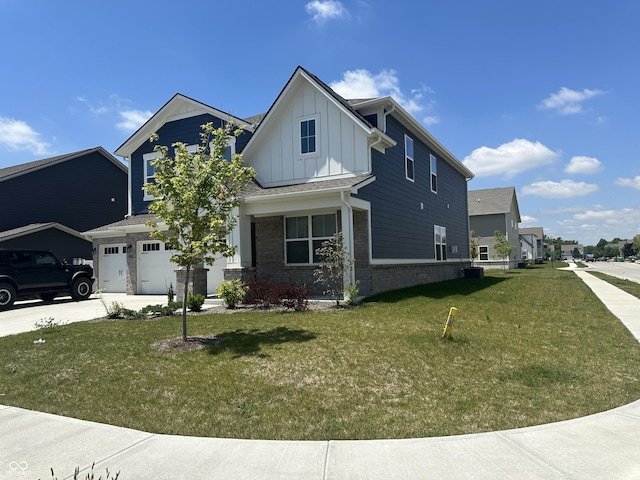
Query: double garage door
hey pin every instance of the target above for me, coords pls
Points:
(155, 270)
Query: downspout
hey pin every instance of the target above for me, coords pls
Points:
(129, 208)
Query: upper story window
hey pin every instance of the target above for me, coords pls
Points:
(308, 136)
(149, 171)
(440, 234)
(434, 173)
(304, 235)
(409, 163)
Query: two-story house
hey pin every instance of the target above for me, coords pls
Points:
(491, 210)
(324, 164)
(532, 244)
(47, 203)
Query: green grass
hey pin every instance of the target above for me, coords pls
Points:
(628, 286)
(529, 347)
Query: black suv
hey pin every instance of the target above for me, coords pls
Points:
(38, 273)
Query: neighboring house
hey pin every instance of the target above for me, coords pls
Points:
(490, 210)
(532, 243)
(324, 164)
(567, 251)
(48, 202)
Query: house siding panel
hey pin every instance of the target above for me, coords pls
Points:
(402, 222)
(186, 130)
(76, 193)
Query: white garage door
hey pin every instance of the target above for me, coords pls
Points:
(155, 271)
(113, 268)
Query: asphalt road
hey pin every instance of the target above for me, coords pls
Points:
(625, 270)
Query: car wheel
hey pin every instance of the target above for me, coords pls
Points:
(7, 296)
(81, 289)
(47, 297)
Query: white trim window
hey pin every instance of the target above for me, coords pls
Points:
(149, 171)
(308, 135)
(483, 251)
(409, 162)
(433, 164)
(304, 235)
(440, 237)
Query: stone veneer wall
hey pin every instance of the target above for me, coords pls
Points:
(393, 277)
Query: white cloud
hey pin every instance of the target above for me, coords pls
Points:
(567, 101)
(509, 159)
(629, 182)
(323, 10)
(528, 220)
(562, 189)
(18, 135)
(583, 165)
(133, 119)
(362, 84)
(99, 109)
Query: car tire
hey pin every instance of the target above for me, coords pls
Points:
(81, 289)
(7, 296)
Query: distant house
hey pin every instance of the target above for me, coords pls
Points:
(490, 210)
(569, 250)
(48, 202)
(532, 243)
(324, 164)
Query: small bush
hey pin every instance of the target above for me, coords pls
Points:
(162, 310)
(351, 293)
(265, 293)
(194, 302)
(231, 292)
(295, 297)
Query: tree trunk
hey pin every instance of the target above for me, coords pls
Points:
(184, 304)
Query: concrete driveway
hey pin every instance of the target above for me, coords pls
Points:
(24, 314)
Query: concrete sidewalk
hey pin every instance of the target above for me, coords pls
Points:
(605, 445)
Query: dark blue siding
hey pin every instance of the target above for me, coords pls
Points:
(76, 193)
(401, 228)
(187, 131)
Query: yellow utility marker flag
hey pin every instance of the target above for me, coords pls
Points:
(447, 326)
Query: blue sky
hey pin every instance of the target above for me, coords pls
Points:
(541, 95)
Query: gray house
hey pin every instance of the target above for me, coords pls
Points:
(532, 244)
(490, 210)
(324, 164)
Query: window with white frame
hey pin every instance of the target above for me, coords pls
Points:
(305, 234)
(483, 250)
(149, 170)
(440, 234)
(409, 163)
(308, 143)
(434, 173)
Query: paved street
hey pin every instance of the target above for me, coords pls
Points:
(626, 270)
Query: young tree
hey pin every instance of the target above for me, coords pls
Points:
(503, 246)
(194, 196)
(335, 264)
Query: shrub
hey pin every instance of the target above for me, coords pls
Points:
(231, 292)
(263, 293)
(295, 297)
(194, 302)
(351, 293)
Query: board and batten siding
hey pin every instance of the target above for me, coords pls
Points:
(341, 143)
(403, 213)
(186, 130)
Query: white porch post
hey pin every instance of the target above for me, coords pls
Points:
(240, 237)
(348, 236)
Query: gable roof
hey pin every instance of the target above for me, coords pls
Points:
(301, 73)
(35, 228)
(179, 106)
(492, 201)
(14, 171)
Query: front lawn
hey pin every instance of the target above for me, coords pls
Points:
(529, 346)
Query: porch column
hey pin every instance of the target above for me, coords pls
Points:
(240, 237)
(347, 235)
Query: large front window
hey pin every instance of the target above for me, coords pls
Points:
(304, 235)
